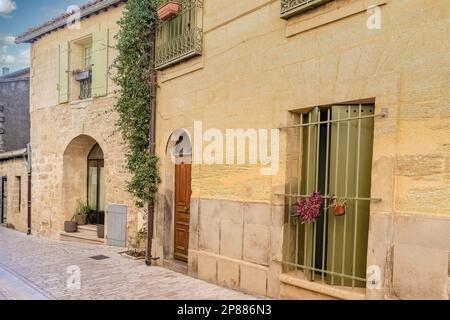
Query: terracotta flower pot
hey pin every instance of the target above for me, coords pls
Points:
(339, 210)
(168, 10)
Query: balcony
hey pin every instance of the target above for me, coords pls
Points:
(181, 37)
(290, 8)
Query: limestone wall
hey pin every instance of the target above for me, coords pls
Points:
(255, 70)
(16, 193)
(61, 132)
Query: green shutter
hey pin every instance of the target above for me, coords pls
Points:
(63, 85)
(341, 230)
(100, 64)
(308, 186)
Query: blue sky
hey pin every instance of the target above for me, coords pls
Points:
(16, 16)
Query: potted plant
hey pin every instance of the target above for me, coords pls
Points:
(168, 10)
(339, 207)
(308, 210)
(71, 226)
(83, 210)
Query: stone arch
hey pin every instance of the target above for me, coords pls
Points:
(178, 145)
(75, 172)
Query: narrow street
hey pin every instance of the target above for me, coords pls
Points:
(33, 268)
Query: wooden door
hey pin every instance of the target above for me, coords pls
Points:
(182, 210)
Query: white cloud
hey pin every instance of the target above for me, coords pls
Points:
(6, 7)
(13, 59)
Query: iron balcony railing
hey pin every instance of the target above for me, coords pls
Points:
(293, 7)
(334, 158)
(181, 37)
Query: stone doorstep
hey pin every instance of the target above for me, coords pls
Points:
(82, 237)
(324, 289)
(176, 266)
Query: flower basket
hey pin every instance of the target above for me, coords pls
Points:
(168, 10)
(81, 75)
(308, 210)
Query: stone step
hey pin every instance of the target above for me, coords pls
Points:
(82, 237)
(88, 228)
(177, 266)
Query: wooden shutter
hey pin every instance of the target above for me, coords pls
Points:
(341, 230)
(117, 225)
(100, 64)
(308, 186)
(63, 84)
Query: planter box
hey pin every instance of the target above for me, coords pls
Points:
(169, 10)
(80, 76)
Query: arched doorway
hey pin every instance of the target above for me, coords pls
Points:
(178, 193)
(96, 185)
(84, 179)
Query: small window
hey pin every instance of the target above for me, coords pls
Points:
(87, 57)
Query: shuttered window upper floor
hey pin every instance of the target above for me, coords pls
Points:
(83, 67)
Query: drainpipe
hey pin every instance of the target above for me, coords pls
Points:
(151, 206)
(29, 167)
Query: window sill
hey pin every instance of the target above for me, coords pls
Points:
(80, 104)
(320, 18)
(299, 281)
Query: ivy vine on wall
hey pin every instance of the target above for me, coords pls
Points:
(136, 80)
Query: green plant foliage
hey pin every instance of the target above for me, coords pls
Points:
(136, 79)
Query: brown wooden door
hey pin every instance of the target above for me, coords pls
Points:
(182, 210)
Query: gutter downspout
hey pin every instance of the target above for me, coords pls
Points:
(29, 166)
(151, 206)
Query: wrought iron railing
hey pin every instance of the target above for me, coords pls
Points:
(181, 37)
(335, 159)
(86, 88)
(293, 7)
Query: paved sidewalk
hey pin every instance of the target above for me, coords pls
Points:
(42, 265)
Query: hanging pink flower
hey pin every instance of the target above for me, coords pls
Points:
(308, 210)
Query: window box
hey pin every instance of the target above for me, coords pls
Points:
(80, 75)
(168, 10)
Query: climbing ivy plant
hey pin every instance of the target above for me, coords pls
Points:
(136, 80)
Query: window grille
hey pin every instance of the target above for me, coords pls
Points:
(335, 159)
(290, 8)
(86, 88)
(181, 37)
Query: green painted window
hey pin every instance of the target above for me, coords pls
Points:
(335, 159)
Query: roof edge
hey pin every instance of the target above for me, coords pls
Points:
(87, 10)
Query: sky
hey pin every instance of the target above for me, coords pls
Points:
(16, 16)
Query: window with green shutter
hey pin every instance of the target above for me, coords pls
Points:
(335, 147)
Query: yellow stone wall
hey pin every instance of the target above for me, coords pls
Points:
(16, 205)
(256, 68)
(55, 126)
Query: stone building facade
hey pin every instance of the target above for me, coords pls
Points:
(249, 65)
(253, 65)
(72, 115)
(14, 190)
(14, 110)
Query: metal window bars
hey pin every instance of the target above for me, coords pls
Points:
(290, 8)
(86, 88)
(181, 37)
(335, 158)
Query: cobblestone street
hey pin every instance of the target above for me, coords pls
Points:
(40, 267)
